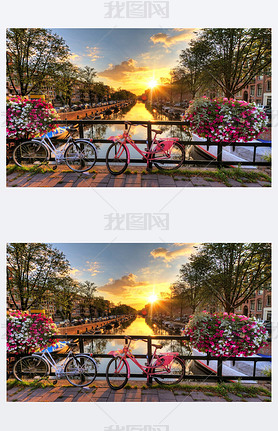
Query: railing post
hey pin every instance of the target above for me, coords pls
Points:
(149, 138)
(254, 154)
(81, 345)
(219, 369)
(149, 382)
(219, 155)
(81, 131)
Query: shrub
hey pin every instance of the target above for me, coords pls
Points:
(223, 334)
(226, 120)
(27, 333)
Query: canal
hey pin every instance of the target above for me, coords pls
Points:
(137, 111)
(137, 326)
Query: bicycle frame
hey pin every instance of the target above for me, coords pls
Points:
(125, 354)
(58, 154)
(58, 368)
(148, 155)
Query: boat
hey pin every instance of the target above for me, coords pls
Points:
(231, 153)
(58, 133)
(59, 347)
(239, 369)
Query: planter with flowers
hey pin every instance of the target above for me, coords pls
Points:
(223, 334)
(226, 120)
(27, 118)
(27, 333)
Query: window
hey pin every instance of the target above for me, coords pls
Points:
(252, 90)
(268, 85)
(268, 301)
(252, 305)
(260, 291)
(268, 316)
(259, 89)
(259, 305)
(260, 77)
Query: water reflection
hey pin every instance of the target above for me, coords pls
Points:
(139, 112)
(139, 327)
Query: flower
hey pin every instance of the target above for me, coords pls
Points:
(223, 334)
(29, 332)
(29, 117)
(225, 120)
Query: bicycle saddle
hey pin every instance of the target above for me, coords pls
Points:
(158, 346)
(158, 132)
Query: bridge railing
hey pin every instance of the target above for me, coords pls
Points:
(218, 161)
(211, 376)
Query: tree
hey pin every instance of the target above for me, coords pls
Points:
(87, 292)
(87, 75)
(32, 270)
(234, 271)
(191, 279)
(64, 82)
(191, 65)
(33, 54)
(232, 57)
(65, 295)
(179, 80)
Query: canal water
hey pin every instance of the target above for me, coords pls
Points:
(138, 327)
(139, 112)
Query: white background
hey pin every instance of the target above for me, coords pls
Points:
(196, 215)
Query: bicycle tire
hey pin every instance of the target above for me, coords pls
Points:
(30, 368)
(116, 166)
(86, 161)
(72, 369)
(177, 154)
(180, 372)
(30, 153)
(120, 378)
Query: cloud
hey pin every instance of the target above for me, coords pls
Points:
(74, 272)
(92, 267)
(121, 285)
(93, 53)
(169, 255)
(166, 40)
(74, 57)
(122, 71)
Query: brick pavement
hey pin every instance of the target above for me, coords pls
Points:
(100, 177)
(137, 392)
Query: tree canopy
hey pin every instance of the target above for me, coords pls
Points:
(230, 57)
(33, 54)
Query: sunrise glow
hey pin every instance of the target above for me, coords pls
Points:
(152, 83)
(152, 298)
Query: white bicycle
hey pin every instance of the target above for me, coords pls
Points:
(80, 155)
(79, 369)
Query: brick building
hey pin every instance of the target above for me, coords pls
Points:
(258, 91)
(259, 305)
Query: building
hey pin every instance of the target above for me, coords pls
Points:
(259, 305)
(258, 91)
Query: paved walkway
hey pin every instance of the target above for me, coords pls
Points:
(102, 393)
(100, 177)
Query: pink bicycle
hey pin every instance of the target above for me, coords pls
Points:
(166, 368)
(165, 153)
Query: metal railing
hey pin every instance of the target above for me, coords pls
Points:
(210, 376)
(219, 162)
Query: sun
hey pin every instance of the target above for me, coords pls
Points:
(152, 298)
(152, 83)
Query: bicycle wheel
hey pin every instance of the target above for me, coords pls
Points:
(175, 160)
(116, 158)
(30, 153)
(80, 156)
(117, 373)
(30, 368)
(81, 370)
(175, 374)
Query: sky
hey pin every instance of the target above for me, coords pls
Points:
(127, 58)
(127, 273)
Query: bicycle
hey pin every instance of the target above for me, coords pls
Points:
(79, 369)
(80, 155)
(165, 153)
(166, 368)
